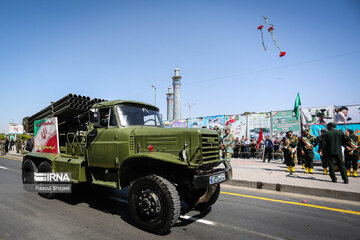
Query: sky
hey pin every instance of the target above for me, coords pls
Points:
(118, 49)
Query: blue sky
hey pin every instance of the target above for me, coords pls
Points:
(118, 49)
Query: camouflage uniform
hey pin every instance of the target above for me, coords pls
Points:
(2, 147)
(18, 144)
(228, 141)
(252, 145)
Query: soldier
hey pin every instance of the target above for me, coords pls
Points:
(252, 145)
(331, 148)
(276, 148)
(318, 141)
(228, 141)
(18, 144)
(290, 146)
(2, 147)
(307, 150)
(351, 153)
(242, 147)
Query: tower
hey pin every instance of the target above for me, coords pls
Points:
(177, 94)
(170, 104)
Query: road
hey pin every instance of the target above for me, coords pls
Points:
(240, 213)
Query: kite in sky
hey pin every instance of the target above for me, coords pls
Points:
(271, 31)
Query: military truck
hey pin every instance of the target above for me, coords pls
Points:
(121, 144)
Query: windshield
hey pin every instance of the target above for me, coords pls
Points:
(131, 115)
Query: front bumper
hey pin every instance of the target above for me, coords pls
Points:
(202, 180)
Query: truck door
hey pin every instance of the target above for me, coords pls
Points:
(102, 142)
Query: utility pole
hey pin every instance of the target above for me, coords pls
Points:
(155, 93)
(190, 106)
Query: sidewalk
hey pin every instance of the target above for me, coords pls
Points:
(255, 173)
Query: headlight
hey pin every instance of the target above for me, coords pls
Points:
(183, 154)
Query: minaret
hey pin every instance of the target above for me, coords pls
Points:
(170, 104)
(177, 94)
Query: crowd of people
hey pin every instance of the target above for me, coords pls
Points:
(338, 151)
(19, 145)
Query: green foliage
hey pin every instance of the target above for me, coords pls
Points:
(24, 136)
(2, 136)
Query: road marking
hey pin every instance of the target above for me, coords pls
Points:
(3, 167)
(12, 158)
(186, 217)
(207, 222)
(294, 203)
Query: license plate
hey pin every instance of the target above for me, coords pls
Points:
(217, 178)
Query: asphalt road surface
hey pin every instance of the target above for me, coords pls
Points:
(240, 213)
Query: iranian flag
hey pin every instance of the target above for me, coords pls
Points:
(46, 135)
(260, 138)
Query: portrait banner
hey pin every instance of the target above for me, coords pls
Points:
(237, 124)
(256, 122)
(195, 122)
(283, 121)
(179, 123)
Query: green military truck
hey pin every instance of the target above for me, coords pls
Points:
(122, 144)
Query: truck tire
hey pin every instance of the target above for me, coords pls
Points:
(28, 167)
(46, 167)
(202, 198)
(154, 204)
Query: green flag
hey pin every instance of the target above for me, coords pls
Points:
(297, 106)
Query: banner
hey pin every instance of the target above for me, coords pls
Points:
(178, 123)
(15, 128)
(319, 115)
(46, 135)
(237, 125)
(350, 113)
(215, 123)
(316, 131)
(195, 122)
(283, 121)
(256, 122)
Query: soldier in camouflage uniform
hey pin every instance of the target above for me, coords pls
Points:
(290, 146)
(252, 146)
(306, 144)
(2, 147)
(228, 141)
(18, 144)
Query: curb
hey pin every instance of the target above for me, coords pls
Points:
(319, 192)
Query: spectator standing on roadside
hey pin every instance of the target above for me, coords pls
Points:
(30, 144)
(331, 148)
(268, 148)
(246, 147)
(236, 148)
(6, 145)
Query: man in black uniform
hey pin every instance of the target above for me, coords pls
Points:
(318, 141)
(331, 148)
(290, 146)
(300, 158)
(307, 150)
(351, 153)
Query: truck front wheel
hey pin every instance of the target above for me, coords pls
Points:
(154, 204)
(202, 198)
(28, 169)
